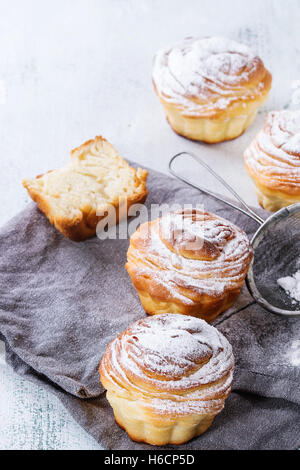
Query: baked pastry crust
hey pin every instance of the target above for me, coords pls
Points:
(189, 262)
(273, 160)
(210, 88)
(167, 377)
(96, 178)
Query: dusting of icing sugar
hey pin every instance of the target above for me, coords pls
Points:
(171, 348)
(291, 285)
(189, 375)
(176, 272)
(205, 74)
(294, 353)
(275, 152)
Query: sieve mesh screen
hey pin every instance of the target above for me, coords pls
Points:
(276, 255)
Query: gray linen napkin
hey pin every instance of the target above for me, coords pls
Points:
(62, 302)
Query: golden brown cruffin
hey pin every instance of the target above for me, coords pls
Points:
(190, 262)
(273, 160)
(77, 196)
(210, 88)
(167, 377)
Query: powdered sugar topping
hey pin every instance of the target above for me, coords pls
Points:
(202, 75)
(210, 256)
(172, 363)
(171, 347)
(275, 152)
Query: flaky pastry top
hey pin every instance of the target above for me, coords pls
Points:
(204, 77)
(273, 158)
(173, 364)
(187, 254)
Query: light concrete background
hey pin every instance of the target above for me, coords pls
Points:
(72, 69)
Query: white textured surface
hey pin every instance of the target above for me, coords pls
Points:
(32, 418)
(70, 70)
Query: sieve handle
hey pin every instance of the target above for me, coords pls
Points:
(247, 210)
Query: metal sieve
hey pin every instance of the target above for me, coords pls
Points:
(276, 246)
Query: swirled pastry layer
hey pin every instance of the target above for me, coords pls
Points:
(191, 261)
(273, 158)
(209, 76)
(170, 365)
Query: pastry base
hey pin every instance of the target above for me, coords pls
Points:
(154, 429)
(207, 309)
(274, 200)
(210, 130)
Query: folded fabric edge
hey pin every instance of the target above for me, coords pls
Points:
(24, 368)
(266, 385)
